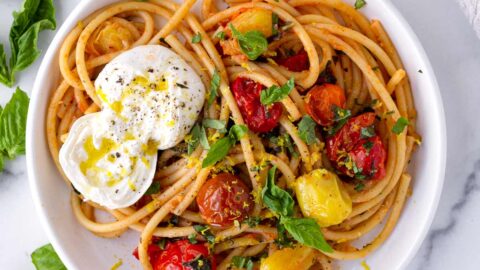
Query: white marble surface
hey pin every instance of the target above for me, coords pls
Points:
(454, 51)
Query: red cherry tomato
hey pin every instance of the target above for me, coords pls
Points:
(356, 155)
(176, 254)
(298, 62)
(321, 101)
(258, 118)
(224, 199)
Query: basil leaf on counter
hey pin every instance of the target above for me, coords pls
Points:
(252, 43)
(45, 258)
(214, 84)
(306, 130)
(34, 17)
(275, 198)
(400, 125)
(307, 232)
(13, 122)
(276, 93)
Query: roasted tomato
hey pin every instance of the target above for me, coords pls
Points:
(179, 255)
(321, 102)
(258, 117)
(298, 62)
(356, 151)
(224, 199)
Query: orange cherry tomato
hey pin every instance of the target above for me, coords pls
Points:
(224, 199)
(321, 101)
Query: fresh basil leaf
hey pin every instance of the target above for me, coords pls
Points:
(215, 124)
(154, 188)
(340, 114)
(35, 16)
(306, 130)
(276, 93)
(360, 3)
(283, 240)
(359, 187)
(275, 198)
(4, 73)
(220, 35)
(205, 231)
(45, 258)
(218, 151)
(197, 38)
(252, 43)
(400, 125)
(13, 121)
(237, 132)
(199, 263)
(193, 142)
(367, 132)
(203, 138)
(214, 84)
(2, 162)
(307, 232)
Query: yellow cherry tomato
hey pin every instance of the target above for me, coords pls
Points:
(321, 196)
(298, 258)
(254, 19)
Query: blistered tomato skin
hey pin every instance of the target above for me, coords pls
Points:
(224, 199)
(321, 101)
(321, 196)
(176, 254)
(296, 63)
(354, 156)
(258, 117)
(298, 258)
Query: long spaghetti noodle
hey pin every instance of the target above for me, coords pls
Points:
(336, 38)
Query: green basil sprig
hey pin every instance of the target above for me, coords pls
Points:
(276, 93)
(305, 230)
(306, 130)
(221, 147)
(34, 16)
(252, 43)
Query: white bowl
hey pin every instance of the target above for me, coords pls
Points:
(80, 249)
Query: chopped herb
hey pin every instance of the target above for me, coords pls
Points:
(220, 35)
(367, 132)
(192, 238)
(284, 142)
(275, 24)
(161, 243)
(154, 188)
(193, 142)
(275, 198)
(252, 43)
(203, 138)
(368, 145)
(282, 239)
(242, 262)
(252, 221)
(306, 130)
(181, 85)
(205, 232)
(400, 125)
(214, 84)
(197, 38)
(360, 3)
(340, 114)
(359, 187)
(276, 93)
(215, 124)
(199, 263)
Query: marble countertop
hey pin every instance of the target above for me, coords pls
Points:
(454, 51)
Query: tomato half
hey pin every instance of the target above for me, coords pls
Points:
(224, 199)
(298, 62)
(321, 101)
(177, 254)
(355, 150)
(257, 117)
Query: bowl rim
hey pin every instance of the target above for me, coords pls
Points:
(69, 23)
